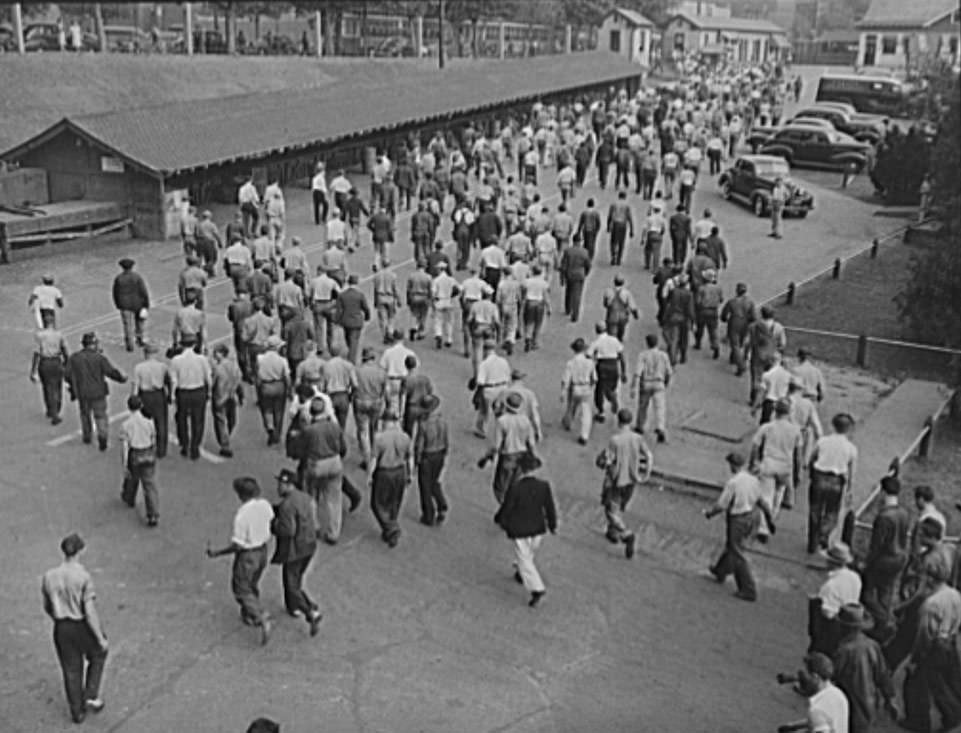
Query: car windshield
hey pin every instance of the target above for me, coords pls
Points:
(771, 168)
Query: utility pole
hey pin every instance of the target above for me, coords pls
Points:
(189, 29)
(440, 34)
(18, 27)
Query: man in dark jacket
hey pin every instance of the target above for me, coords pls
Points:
(526, 514)
(354, 311)
(677, 319)
(87, 373)
(681, 234)
(574, 268)
(131, 298)
(738, 313)
(588, 225)
(296, 533)
(887, 556)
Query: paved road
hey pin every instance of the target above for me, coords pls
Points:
(430, 636)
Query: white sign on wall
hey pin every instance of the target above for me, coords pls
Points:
(109, 164)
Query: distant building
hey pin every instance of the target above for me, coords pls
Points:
(702, 9)
(629, 34)
(897, 34)
(831, 48)
(741, 40)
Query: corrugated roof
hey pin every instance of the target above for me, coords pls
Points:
(634, 17)
(899, 14)
(185, 135)
(747, 25)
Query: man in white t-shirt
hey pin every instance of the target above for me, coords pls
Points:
(45, 299)
(318, 190)
(828, 709)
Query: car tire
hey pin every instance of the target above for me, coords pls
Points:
(802, 215)
(727, 190)
(759, 206)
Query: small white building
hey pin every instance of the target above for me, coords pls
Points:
(741, 40)
(629, 34)
(898, 35)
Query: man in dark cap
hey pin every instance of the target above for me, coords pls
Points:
(131, 298)
(78, 636)
(738, 313)
(525, 514)
(740, 502)
(431, 445)
(389, 473)
(87, 373)
(296, 532)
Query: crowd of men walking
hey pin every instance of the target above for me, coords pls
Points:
(296, 347)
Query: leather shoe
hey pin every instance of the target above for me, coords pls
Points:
(536, 598)
(745, 597)
(95, 705)
(629, 546)
(265, 628)
(315, 618)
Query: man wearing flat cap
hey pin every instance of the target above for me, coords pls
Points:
(295, 528)
(78, 636)
(86, 373)
(131, 298)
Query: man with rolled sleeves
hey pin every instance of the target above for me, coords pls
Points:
(87, 372)
(272, 381)
(295, 528)
(513, 436)
(493, 375)
(707, 302)
(339, 380)
(151, 382)
(430, 452)
(471, 291)
(390, 470)
(190, 378)
(354, 312)
(774, 387)
(619, 308)
(419, 286)
(607, 353)
(322, 294)
(627, 463)
(139, 439)
(257, 328)
(484, 323)
(651, 379)
(776, 460)
(248, 545)
(536, 293)
(131, 298)
(78, 636)
(192, 279)
(574, 269)
(369, 401)
(832, 473)
(394, 362)
(809, 376)
(577, 388)
(49, 359)
(190, 321)
(738, 313)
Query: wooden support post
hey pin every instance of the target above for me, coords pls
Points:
(862, 356)
(319, 33)
(18, 27)
(189, 28)
(874, 248)
(4, 246)
(924, 447)
(836, 272)
(791, 291)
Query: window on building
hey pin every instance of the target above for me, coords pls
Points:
(889, 45)
(640, 41)
(678, 41)
(615, 43)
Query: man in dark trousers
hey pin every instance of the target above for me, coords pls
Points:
(887, 556)
(131, 298)
(431, 445)
(676, 321)
(354, 312)
(87, 373)
(49, 359)
(190, 377)
(353, 209)
(526, 514)
(620, 226)
(388, 475)
(296, 532)
(574, 269)
(679, 226)
(738, 313)
(588, 226)
(422, 229)
(68, 599)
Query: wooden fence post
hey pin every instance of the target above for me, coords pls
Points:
(836, 272)
(862, 355)
(924, 447)
(874, 248)
(791, 291)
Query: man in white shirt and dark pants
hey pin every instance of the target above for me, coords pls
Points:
(248, 545)
(318, 190)
(832, 473)
(190, 377)
(139, 438)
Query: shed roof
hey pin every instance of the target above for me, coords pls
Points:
(632, 16)
(898, 14)
(181, 136)
(744, 25)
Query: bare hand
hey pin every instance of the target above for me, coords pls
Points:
(33, 377)
(103, 642)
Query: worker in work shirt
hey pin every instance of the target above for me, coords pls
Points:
(607, 353)
(471, 291)
(273, 382)
(484, 323)
(707, 304)
(386, 296)
(588, 226)
(574, 269)
(577, 389)
(620, 226)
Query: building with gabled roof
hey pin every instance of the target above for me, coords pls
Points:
(895, 34)
(740, 40)
(629, 34)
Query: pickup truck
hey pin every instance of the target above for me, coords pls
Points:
(751, 179)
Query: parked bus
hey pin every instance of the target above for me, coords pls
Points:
(870, 94)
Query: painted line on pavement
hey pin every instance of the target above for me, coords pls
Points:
(76, 434)
(204, 453)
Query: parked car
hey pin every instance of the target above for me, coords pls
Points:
(207, 41)
(126, 39)
(760, 135)
(46, 37)
(815, 148)
(393, 47)
(751, 180)
(858, 126)
(7, 40)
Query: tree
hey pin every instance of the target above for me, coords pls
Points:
(930, 302)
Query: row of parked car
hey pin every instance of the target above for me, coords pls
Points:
(47, 37)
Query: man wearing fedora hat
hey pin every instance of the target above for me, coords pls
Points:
(431, 445)
(272, 380)
(131, 298)
(861, 672)
(577, 390)
(295, 528)
(78, 635)
(526, 514)
(86, 373)
(513, 436)
(842, 585)
(530, 406)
